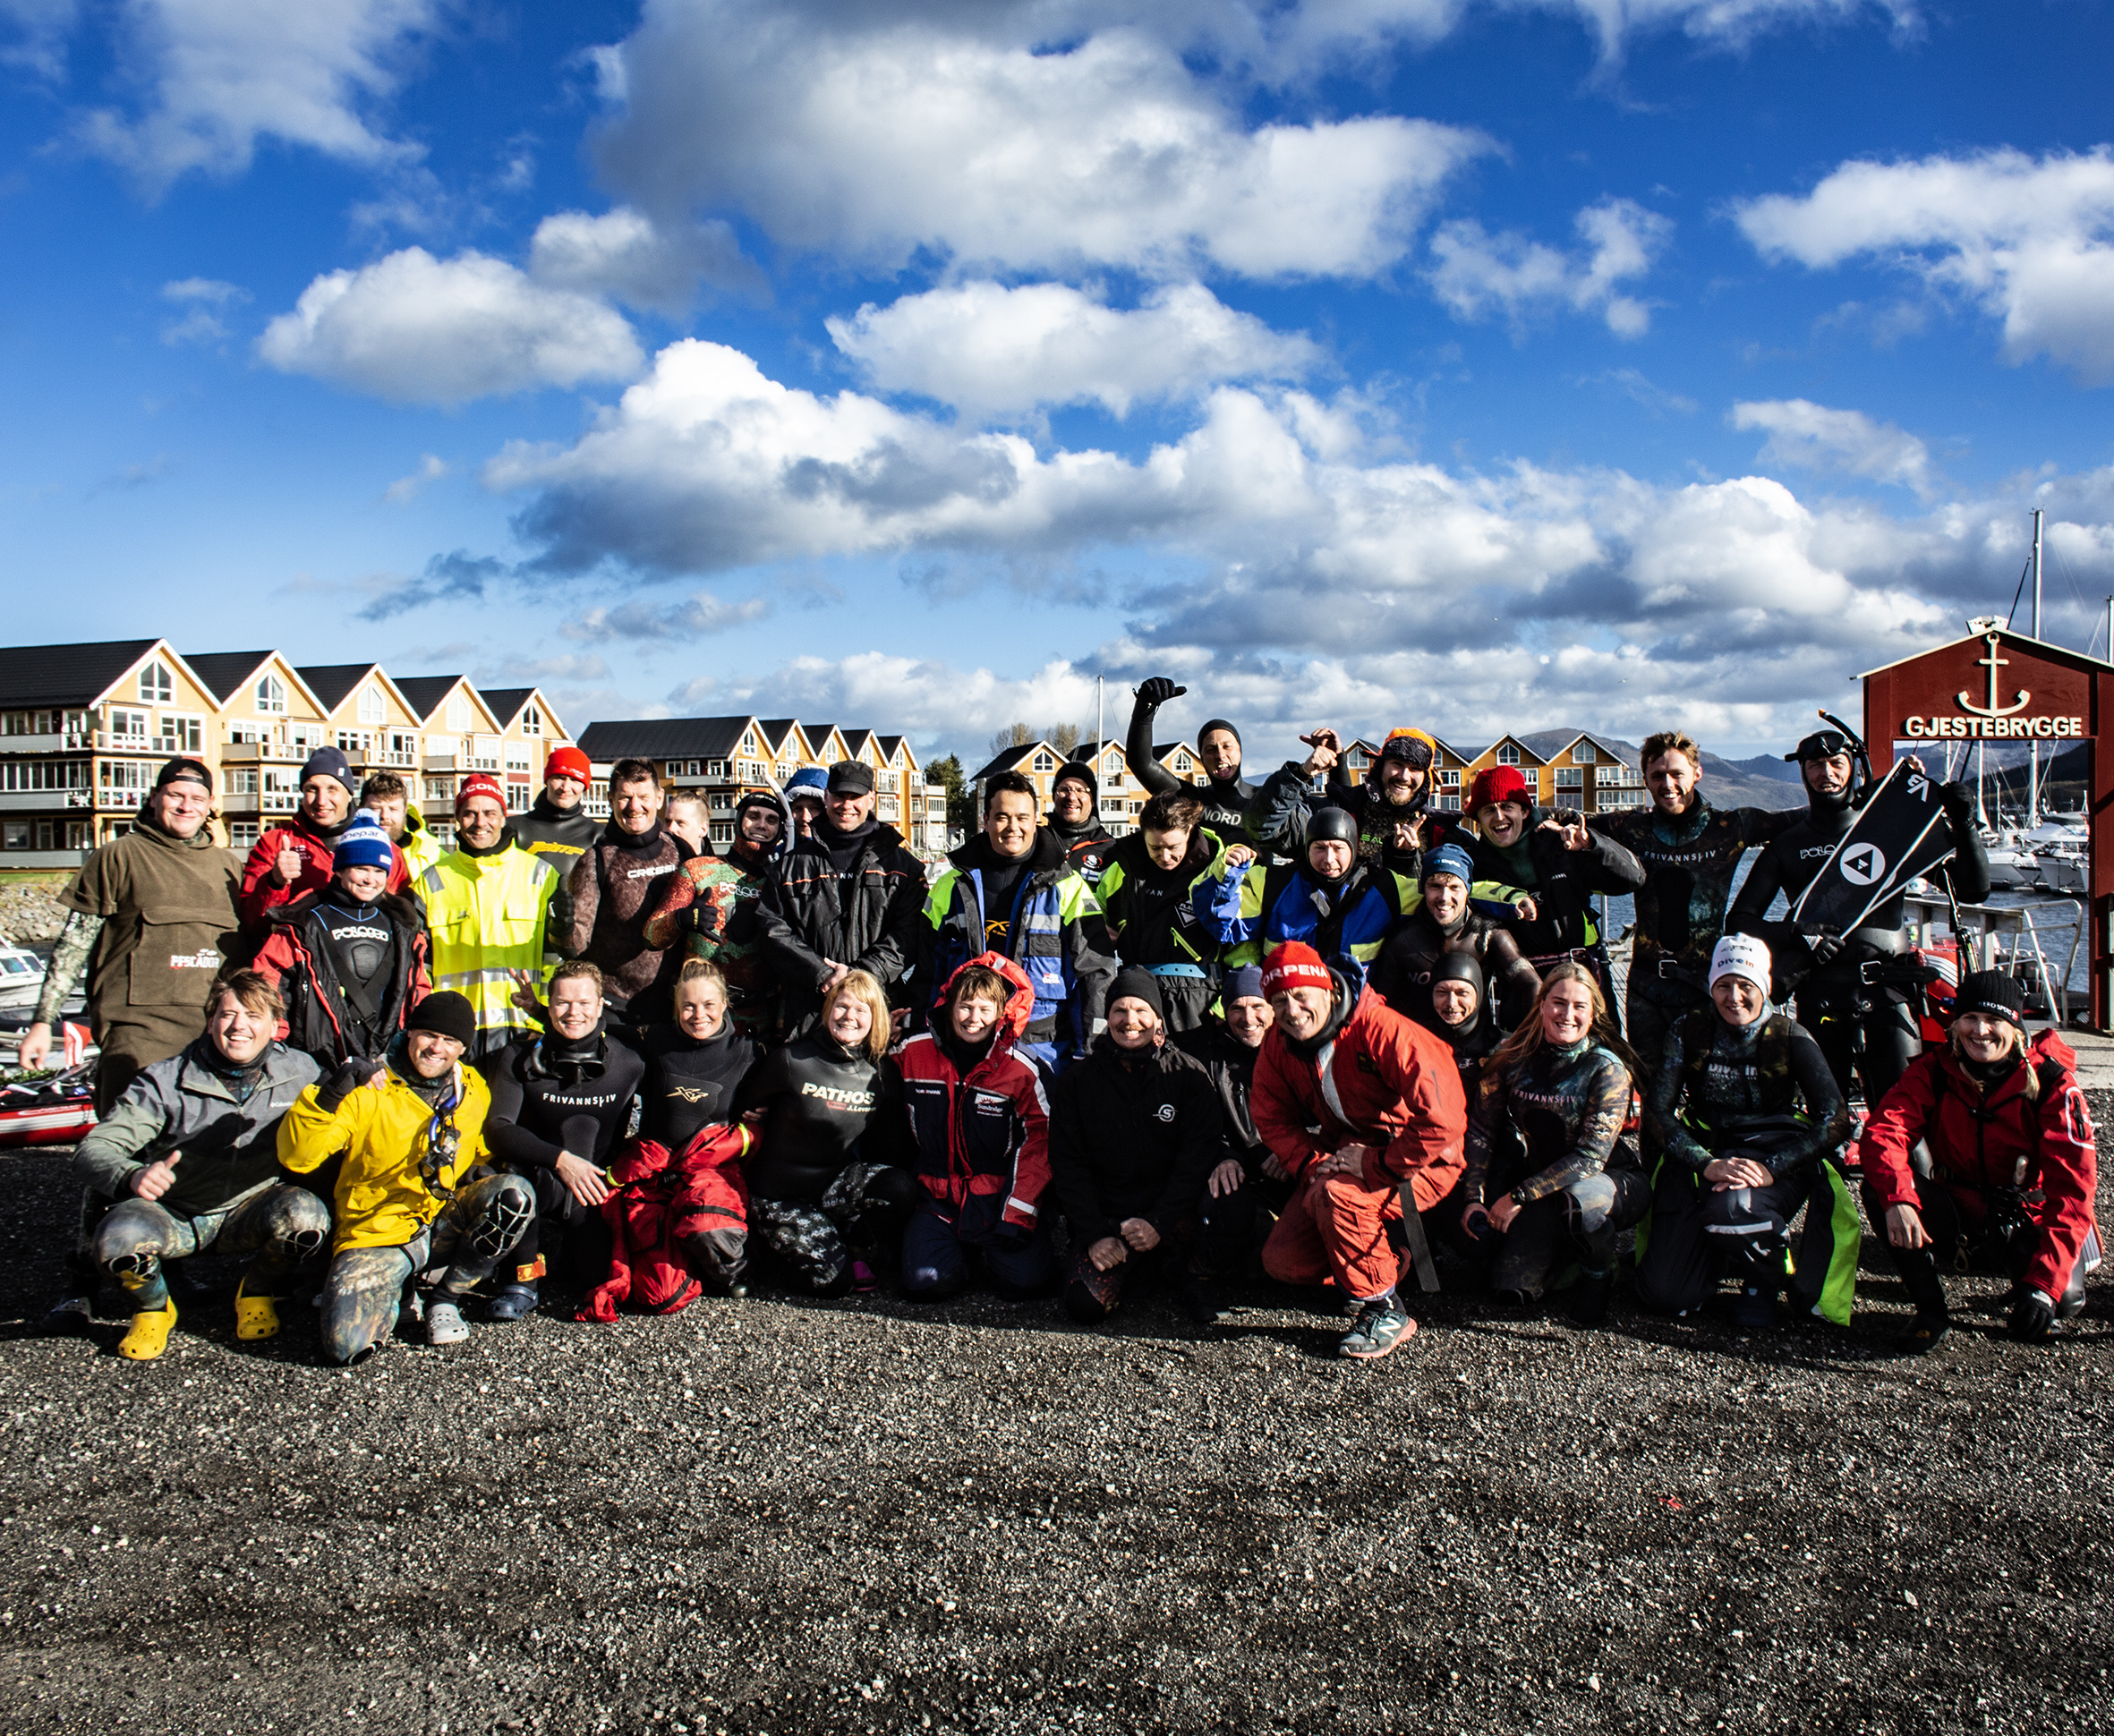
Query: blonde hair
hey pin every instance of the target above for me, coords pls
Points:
(1519, 1048)
(702, 970)
(577, 968)
(2018, 1047)
(865, 990)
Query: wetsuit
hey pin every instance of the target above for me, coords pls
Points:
(1562, 883)
(689, 1084)
(1410, 959)
(1575, 1172)
(1760, 1091)
(616, 884)
(1689, 861)
(1226, 800)
(1287, 798)
(822, 1182)
(551, 1096)
(1835, 1004)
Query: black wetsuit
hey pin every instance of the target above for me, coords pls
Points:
(819, 1100)
(1226, 801)
(1562, 883)
(690, 1085)
(1409, 962)
(551, 1096)
(1834, 1002)
(1689, 861)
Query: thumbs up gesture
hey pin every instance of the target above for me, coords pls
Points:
(156, 1178)
(287, 868)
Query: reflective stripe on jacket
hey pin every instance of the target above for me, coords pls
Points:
(486, 916)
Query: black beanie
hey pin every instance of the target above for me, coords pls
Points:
(1994, 994)
(1218, 723)
(447, 1015)
(1135, 985)
(1081, 773)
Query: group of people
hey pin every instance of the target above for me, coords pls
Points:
(1312, 1028)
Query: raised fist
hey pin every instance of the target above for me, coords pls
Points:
(1156, 690)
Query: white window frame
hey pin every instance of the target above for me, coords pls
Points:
(270, 694)
(1508, 754)
(157, 686)
(373, 709)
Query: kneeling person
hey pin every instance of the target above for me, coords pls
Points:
(824, 1191)
(1135, 1136)
(1354, 1101)
(188, 1156)
(1741, 1160)
(410, 1131)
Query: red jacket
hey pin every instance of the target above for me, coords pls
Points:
(1972, 1154)
(660, 1201)
(983, 1141)
(261, 895)
(1389, 1083)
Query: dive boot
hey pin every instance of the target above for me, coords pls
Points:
(149, 1335)
(256, 1316)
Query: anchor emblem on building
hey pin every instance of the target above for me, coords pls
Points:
(1995, 708)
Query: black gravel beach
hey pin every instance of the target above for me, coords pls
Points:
(784, 1516)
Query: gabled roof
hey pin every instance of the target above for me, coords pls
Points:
(1546, 744)
(332, 683)
(817, 734)
(665, 738)
(1009, 759)
(229, 674)
(776, 731)
(424, 692)
(75, 674)
(890, 747)
(2011, 636)
(505, 703)
(1527, 746)
(855, 742)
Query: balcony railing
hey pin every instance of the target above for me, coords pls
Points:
(28, 801)
(252, 753)
(442, 763)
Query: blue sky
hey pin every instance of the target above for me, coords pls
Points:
(1473, 365)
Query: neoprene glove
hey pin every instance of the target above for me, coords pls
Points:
(2032, 1318)
(1958, 799)
(706, 917)
(1820, 942)
(1156, 690)
(343, 1083)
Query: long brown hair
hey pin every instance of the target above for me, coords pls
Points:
(1519, 1048)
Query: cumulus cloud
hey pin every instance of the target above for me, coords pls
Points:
(1814, 437)
(961, 133)
(430, 469)
(991, 351)
(415, 329)
(2030, 241)
(33, 35)
(697, 616)
(217, 75)
(1511, 275)
(534, 671)
(622, 253)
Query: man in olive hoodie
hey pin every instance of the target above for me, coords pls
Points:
(617, 883)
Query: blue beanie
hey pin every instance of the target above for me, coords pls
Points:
(1449, 859)
(363, 845)
(1245, 983)
(811, 782)
(330, 762)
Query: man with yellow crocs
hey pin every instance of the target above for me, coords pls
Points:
(187, 1160)
(411, 1131)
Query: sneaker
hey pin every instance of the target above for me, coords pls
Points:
(1587, 1300)
(1381, 1326)
(445, 1323)
(863, 1281)
(513, 1302)
(1756, 1310)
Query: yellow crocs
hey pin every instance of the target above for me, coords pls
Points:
(149, 1334)
(255, 1316)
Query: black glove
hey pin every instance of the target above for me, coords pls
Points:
(1822, 942)
(707, 918)
(2032, 1318)
(343, 1083)
(1156, 690)
(1957, 798)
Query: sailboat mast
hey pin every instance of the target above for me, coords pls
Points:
(2033, 762)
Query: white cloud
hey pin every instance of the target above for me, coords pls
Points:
(923, 698)
(622, 254)
(1477, 274)
(207, 300)
(415, 329)
(219, 74)
(2028, 240)
(430, 469)
(701, 614)
(582, 666)
(1722, 23)
(990, 351)
(1814, 437)
(917, 133)
(35, 35)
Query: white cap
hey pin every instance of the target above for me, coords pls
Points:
(1742, 955)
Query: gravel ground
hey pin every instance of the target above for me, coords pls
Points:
(789, 1517)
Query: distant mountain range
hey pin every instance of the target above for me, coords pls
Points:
(1764, 781)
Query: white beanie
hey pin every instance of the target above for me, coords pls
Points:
(1742, 955)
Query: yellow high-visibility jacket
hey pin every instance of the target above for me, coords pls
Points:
(382, 1201)
(487, 915)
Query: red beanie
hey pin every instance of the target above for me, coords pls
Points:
(567, 763)
(1495, 783)
(480, 783)
(1294, 965)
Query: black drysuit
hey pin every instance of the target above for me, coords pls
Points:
(1866, 1030)
(551, 1096)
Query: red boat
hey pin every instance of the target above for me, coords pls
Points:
(49, 1111)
